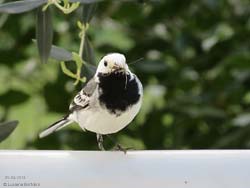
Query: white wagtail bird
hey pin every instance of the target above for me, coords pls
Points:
(107, 103)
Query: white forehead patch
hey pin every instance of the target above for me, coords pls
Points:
(109, 61)
(115, 57)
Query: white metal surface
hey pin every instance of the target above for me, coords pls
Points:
(137, 169)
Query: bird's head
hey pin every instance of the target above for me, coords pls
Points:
(112, 63)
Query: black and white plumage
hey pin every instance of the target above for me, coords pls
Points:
(108, 102)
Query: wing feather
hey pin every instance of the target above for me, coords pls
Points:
(82, 99)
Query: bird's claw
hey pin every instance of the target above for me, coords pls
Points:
(118, 147)
(100, 142)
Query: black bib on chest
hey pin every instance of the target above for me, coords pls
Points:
(116, 95)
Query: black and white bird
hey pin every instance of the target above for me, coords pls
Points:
(107, 103)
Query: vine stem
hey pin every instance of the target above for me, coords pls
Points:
(66, 9)
(83, 34)
(77, 57)
(82, 44)
(81, 48)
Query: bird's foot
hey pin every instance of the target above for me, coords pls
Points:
(118, 147)
(99, 139)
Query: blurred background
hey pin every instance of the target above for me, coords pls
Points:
(195, 73)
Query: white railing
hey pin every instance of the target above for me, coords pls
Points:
(136, 169)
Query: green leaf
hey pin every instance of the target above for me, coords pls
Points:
(6, 129)
(88, 52)
(90, 69)
(44, 33)
(60, 54)
(20, 6)
(88, 11)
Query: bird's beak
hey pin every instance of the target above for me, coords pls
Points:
(117, 68)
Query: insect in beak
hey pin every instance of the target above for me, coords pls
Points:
(117, 68)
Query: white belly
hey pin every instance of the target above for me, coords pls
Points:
(103, 122)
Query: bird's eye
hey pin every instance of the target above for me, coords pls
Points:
(105, 63)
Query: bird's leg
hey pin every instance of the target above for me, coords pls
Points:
(100, 141)
(117, 145)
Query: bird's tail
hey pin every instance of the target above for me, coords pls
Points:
(56, 126)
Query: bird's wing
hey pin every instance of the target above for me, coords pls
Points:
(81, 100)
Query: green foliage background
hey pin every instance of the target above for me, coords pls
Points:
(196, 74)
